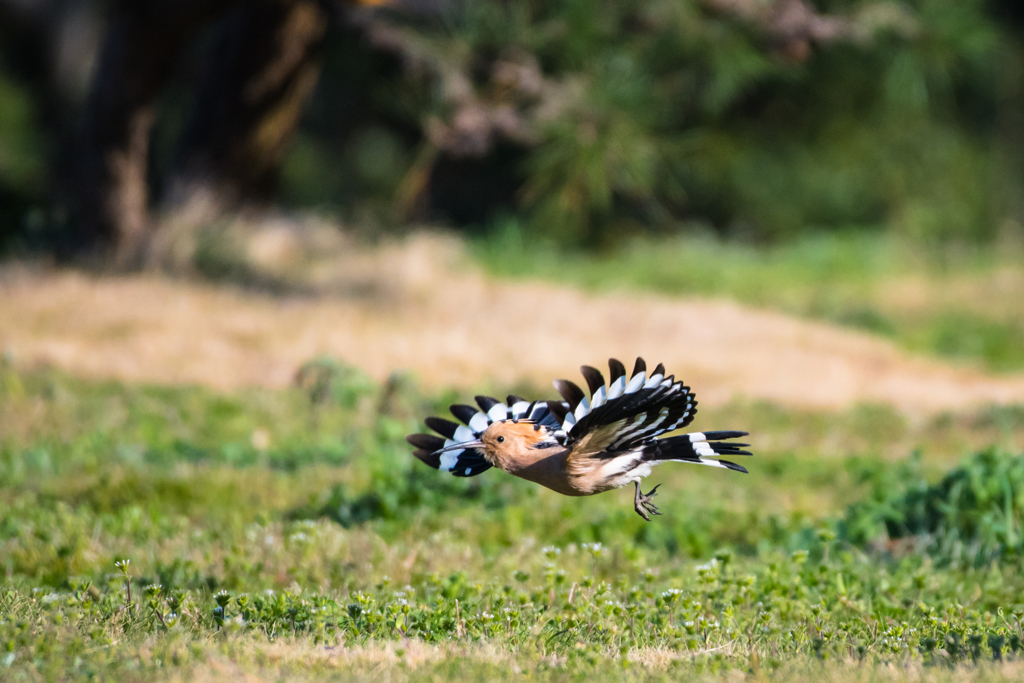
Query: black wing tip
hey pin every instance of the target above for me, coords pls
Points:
(572, 394)
(486, 402)
(427, 442)
(730, 446)
(558, 410)
(731, 451)
(734, 467)
(616, 369)
(463, 412)
(428, 458)
(718, 436)
(639, 367)
(445, 428)
(595, 380)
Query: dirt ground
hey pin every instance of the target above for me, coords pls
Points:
(418, 306)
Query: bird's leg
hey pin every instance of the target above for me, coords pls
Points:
(642, 502)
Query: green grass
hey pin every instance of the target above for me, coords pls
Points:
(866, 280)
(152, 532)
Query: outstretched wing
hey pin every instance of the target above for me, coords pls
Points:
(629, 411)
(470, 462)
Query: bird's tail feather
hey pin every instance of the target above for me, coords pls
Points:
(699, 448)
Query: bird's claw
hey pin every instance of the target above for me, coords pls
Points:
(643, 505)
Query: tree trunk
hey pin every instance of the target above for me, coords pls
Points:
(142, 43)
(262, 69)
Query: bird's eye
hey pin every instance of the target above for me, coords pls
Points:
(501, 439)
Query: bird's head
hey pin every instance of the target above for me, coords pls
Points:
(509, 440)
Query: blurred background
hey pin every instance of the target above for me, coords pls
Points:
(860, 163)
(247, 246)
(758, 120)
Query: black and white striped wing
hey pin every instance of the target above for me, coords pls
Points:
(470, 462)
(700, 448)
(630, 410)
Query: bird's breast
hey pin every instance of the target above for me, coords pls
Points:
(558, 471)
(544, 466)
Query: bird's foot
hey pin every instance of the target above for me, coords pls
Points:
(642, 502)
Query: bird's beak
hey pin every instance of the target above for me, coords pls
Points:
(476, 443)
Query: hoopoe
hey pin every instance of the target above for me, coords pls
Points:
(581, 446)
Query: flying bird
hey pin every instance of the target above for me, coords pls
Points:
(581, 446)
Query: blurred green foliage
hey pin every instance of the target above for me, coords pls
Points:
(21, 150)
(587, 125)
(22, 158)
(691, 117)
(973, 515)
(643, 115)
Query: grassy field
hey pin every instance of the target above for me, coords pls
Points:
(160, 533)
(156, 528)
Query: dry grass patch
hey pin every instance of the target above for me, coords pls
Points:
(254, 660)
(417, 306)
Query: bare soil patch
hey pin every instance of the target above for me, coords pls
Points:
(418, 306)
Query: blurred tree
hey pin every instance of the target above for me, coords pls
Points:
(585, 122)
(142, 42)
(596, 122)
(764, 117)
(261, 69)
(1010, 122)
(46, 49)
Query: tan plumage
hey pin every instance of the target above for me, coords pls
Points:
(580, 446)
